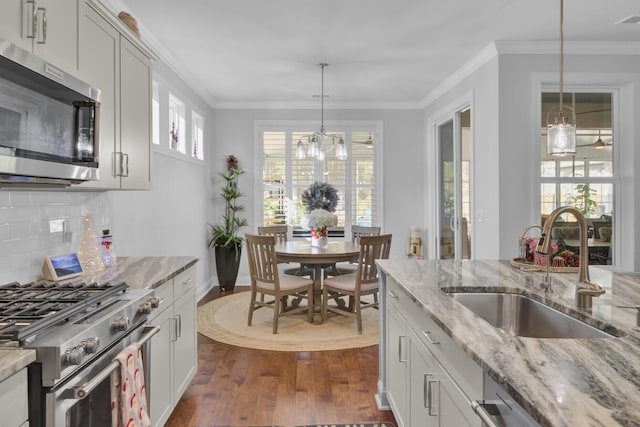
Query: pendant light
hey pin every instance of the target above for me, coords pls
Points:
(561, 122)
(316, 143)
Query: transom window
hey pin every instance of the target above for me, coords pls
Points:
(286, 177)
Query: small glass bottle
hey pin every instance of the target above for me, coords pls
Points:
(108, 254)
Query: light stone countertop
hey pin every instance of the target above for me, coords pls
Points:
(560, 382)
(137, 272)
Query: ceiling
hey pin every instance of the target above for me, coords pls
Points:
(381, 53)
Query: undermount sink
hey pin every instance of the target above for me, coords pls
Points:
(522, 316)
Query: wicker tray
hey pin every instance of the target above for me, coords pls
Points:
(528, 266)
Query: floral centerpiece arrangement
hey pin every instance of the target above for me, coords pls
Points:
(319, 220)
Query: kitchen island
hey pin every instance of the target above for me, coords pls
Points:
(558, 381)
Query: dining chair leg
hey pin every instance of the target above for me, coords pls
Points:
(276, 314)
(310, 305)
(325, 298)
(358, 312)
(252, 306)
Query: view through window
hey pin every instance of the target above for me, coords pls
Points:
(286, 177)
(586, 179)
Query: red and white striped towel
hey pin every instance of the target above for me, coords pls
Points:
(128, 396)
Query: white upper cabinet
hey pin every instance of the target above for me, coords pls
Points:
(114, 64)
(48, 28)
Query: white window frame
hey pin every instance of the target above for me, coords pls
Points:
(178, 108)
(155, 113)
(290, 126)
(197, 136)
(622, 244)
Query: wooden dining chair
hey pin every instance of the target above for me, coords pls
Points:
(281, 233)
(351, 267)
(266, 281)
(364, 283)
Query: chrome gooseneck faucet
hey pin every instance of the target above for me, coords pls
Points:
(585, 290)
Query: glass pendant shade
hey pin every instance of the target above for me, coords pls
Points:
(300, 150)
(320, 156)
(313, 147)
(341, 151)
(561, 131)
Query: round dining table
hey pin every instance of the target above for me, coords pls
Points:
(302, 252)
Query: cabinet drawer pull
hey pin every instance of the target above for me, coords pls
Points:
(430, 406)
(179, 325)
(427, 335)
(186, 282)
(392, 295)
(400, 349)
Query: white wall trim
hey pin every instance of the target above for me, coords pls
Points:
(621, 87)
(432, 215)
(508, 47)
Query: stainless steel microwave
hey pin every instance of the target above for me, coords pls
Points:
(49, 122)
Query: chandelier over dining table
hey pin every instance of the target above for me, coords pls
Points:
(320, 143)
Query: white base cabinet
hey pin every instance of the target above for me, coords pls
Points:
(174, 351)
(430, 380)
(13, 400)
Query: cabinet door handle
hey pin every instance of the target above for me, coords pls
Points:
(174, 320)
(427, 335)
(178, 326)
(400, 349)
(186, 282)
(392, 295)
(126, 164)
(425, 391)
(43, 40)
(430, 409)
(34, 20)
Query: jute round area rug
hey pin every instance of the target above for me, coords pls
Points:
(225, 320)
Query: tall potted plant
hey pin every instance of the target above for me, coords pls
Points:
(224, 236)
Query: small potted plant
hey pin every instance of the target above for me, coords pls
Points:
(224, 235)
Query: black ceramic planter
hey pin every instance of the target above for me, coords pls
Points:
(227, 265)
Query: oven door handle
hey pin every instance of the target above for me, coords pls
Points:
(85, 389)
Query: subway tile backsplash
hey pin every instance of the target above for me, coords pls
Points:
(26, 235)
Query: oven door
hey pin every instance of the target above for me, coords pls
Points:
(85, 399)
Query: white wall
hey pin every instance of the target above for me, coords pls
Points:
(403, 154)
(171, 218)
(481, 87)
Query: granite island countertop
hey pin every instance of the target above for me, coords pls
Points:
(560, 382)
(137, 272)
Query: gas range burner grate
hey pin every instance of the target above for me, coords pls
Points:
(28, 308)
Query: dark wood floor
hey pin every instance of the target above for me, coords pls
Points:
(237, 386)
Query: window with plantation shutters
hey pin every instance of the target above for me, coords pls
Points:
(285, 177)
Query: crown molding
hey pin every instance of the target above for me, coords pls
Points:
(290, 105)
(115, 6)
(485, 55)
(506, 47)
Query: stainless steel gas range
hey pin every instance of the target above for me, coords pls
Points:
(76, 329)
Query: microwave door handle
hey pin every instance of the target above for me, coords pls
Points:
(85, 389)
